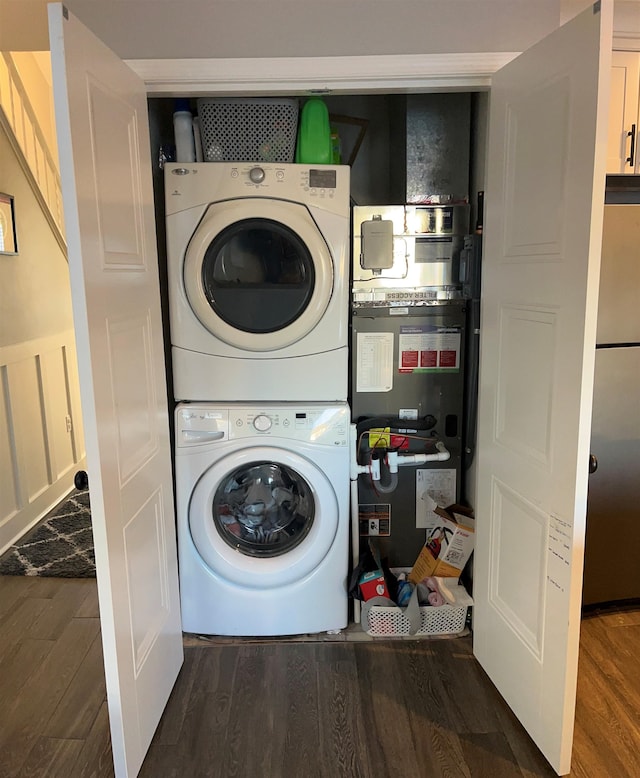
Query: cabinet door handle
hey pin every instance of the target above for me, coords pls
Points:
(632, 150)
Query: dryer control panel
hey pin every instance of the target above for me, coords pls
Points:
(323, 425)
(199, 184)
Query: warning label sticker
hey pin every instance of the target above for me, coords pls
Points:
(374, 520)
(429, 349)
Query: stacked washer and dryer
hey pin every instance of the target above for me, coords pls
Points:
(258, 269)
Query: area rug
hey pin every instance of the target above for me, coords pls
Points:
(60, 546)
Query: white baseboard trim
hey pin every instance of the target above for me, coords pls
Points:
(21, 522)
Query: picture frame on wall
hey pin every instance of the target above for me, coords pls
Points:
(8, 235)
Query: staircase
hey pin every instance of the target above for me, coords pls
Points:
(19, 120)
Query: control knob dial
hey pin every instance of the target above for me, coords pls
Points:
(256, 174)
(262, 423)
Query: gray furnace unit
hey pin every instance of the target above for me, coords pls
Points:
(407, 369)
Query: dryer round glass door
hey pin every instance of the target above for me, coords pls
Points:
(263, 516)
(258, 276)
(257, 273)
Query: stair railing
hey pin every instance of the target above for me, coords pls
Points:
(18, 116)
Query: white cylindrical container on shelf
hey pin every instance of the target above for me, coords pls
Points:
(183, 132)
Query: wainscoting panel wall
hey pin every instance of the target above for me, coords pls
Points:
(41, 435)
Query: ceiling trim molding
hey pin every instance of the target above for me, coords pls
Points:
(626, 41)
(309, 75)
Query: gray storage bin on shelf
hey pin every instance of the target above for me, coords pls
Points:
(242, 129)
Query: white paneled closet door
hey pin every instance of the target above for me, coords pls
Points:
(543, 227)
(103, 136)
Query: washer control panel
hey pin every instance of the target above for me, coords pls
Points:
(323, 425)
(326, 425)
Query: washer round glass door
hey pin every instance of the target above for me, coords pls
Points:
(263, 509)
(258, 273)
(263, 516)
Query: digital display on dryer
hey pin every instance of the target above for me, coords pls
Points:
(322, 179)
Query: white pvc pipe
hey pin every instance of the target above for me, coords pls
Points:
(419, 459)
(356, 469)
(355, 525)
(355, 542)
(394, 459)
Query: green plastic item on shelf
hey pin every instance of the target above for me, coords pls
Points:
(336, 148)
(314, 134)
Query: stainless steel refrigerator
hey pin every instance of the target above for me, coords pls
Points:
(612, 548)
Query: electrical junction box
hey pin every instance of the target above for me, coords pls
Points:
(377, 244)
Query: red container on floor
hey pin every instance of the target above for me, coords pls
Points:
(373, 585)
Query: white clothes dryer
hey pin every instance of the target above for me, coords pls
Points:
(262, 499)
(258, 280)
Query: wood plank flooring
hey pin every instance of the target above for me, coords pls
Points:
(264, 710)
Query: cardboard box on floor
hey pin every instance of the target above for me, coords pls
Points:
(448, 546)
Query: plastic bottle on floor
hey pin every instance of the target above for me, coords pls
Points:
(405, 588)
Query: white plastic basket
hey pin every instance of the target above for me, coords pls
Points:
(243, 129)
(442, 620)
(390, 621)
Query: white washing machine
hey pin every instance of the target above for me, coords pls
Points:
(262, 498)
(258, 277)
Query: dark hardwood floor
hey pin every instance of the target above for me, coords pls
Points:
(271, 709)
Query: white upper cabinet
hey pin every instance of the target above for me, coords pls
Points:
(624, 117)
